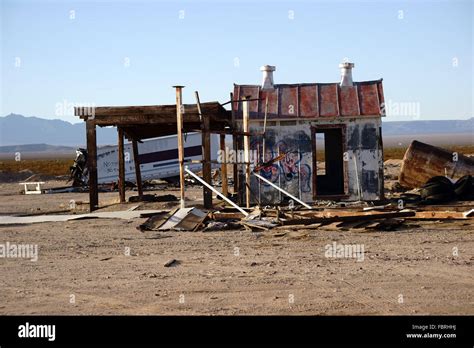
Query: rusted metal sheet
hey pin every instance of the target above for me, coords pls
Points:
(272, 103)
(309, 101)
(381, 98)
(349, 101)
(313, 100)
(328, 105)
(369, 99)
(288, 102)
(422, 161)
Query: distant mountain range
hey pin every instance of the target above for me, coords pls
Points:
(18, 130)
(428, 127)
(37, 148)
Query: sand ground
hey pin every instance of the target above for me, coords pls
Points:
(107, 266)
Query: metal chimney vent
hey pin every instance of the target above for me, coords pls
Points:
(267, 82)
(346, 73)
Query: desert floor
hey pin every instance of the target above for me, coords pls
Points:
(107, 266)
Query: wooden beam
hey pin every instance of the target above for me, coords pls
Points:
(235, 169)
(246, 125)
(264, 130)
(150, 110)
(154, 114)
(206, 155)
(121, 163)
(179, 125)
(225, 189)
(240, 176)
(92, 164)
(138, 173)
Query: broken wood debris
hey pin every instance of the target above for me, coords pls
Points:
(380, 218)
(182, 219)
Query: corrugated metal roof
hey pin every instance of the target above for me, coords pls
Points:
(312, 100)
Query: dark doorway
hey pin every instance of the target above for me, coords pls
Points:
(328, 146)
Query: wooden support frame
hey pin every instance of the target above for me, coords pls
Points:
(246, 126)
(121, 164)
(138, 173)
(92, 164)
(179, 128)
(206, 155)
(235, 169)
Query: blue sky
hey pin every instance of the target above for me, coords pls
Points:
(132, 52)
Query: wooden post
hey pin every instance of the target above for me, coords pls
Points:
(264, 130)
(235, 169)
(225, 189)
(179, 128)
(206, 154)
(92, 164)
(246, 129)
(121, 163)
(238, 184)
(138, 173)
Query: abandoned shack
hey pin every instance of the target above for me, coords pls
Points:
(296, 119)
(279, 127)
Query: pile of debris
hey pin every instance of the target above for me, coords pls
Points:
(378, 218)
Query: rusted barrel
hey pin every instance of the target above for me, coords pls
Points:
(422, 161)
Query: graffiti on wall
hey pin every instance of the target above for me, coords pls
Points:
(292, 166)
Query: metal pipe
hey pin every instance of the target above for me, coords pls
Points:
(281, 190)
(215, 191)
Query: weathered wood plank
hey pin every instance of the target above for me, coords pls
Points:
(121, 162)
(92, 164)
(179, 129)
(206, 154)
(138, 173)
(246, 128)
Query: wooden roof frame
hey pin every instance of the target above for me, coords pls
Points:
(150, 121)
